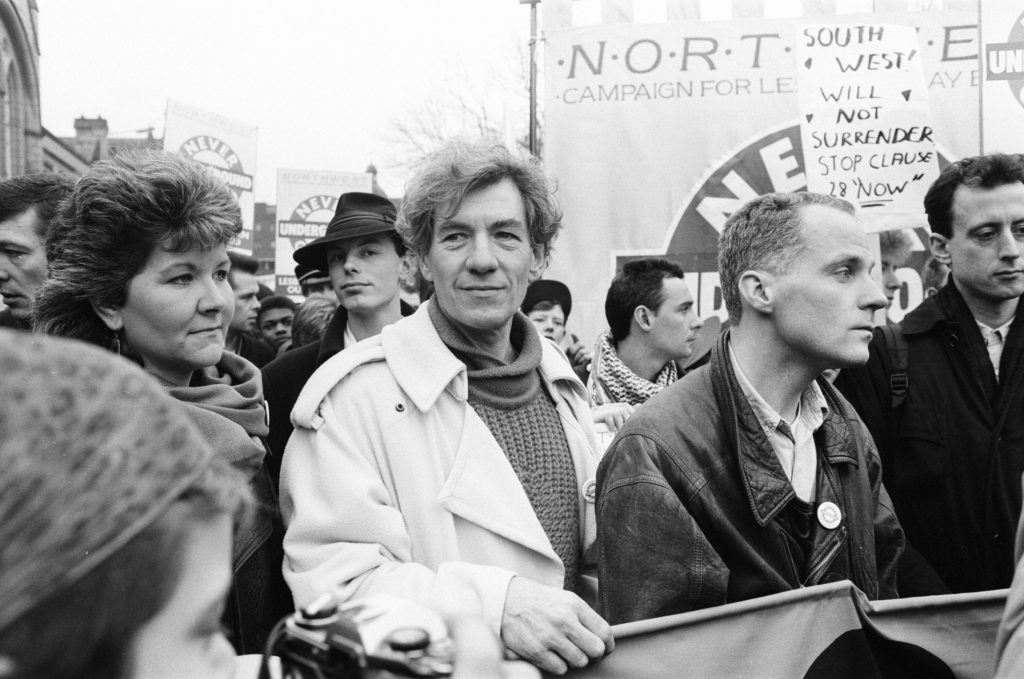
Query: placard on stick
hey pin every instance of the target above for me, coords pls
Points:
(306, 200)
(225, 146)
(864, 117)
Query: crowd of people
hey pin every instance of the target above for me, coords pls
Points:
(223, 449)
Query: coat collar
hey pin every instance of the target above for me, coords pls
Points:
(947, 311)
(946, 306)
(424, 367)
(765, 483)
(421, 364)
(333, 340)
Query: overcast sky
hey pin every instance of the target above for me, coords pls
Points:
(321, 79)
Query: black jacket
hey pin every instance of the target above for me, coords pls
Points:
(953, 451)
(286, 375)
(254, 349)
(695, 510)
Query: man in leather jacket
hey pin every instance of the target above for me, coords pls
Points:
(751, 475)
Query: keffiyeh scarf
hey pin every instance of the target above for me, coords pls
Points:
(619, 383)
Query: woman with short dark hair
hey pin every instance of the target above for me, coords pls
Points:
(139, 264)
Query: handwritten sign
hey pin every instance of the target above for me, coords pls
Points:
(864, 116)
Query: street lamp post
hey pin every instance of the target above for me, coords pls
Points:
(533, 73)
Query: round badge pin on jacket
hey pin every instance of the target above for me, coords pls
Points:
(829, 515)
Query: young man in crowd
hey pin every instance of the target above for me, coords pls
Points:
(653, 321)
(27, 204)
(448, 458)
(364, 258)
(948, 421)
(242, 337)
(751, 475)
(274, 320)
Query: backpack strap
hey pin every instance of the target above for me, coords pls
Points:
(896, 347)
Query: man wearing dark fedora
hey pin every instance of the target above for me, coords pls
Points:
(364, 258)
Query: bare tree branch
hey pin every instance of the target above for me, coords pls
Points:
(464, 104)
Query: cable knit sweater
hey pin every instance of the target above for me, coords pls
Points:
(523, 419)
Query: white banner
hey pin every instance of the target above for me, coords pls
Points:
(306, 200)
(656, 132)
(1002, 96)
(226, 146)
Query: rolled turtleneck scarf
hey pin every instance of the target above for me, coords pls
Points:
(523, 419)
(226, 402)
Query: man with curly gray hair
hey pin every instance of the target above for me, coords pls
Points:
(451, 458)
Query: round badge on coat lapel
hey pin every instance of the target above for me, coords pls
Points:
(829, 515)
(590, 491)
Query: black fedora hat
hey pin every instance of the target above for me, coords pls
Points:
(307, 274)
(358, 214)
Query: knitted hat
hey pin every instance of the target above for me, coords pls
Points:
(92, 451)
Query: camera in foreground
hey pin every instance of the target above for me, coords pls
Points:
(375, 638)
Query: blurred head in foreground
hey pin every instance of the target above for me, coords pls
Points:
(115, 522)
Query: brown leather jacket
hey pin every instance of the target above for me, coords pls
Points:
(694, 509)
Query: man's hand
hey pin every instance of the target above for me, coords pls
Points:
(579, 354)
(614, 415)
(552, 628)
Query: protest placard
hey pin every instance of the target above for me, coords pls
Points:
(227, 147)
(656, 132)
(1002, 91)
(306, 200)
(864, 116)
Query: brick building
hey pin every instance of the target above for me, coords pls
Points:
(21, 129)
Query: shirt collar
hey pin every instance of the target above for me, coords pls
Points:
(1003, 329)
(812, 408)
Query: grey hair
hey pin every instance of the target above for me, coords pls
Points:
(766, 234)
(458, 168)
